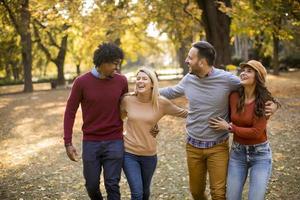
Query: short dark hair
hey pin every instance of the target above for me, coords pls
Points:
(107, 53)
(207, 51)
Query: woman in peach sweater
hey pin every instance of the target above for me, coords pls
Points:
(143, 110)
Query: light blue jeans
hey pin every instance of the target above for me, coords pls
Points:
(253, 159)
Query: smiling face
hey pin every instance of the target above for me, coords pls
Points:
(247, 76)
(193, 60)
(109, 69)
(143, 83)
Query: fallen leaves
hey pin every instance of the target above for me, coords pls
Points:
(31, 125)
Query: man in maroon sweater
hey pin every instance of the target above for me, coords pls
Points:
(99, 92)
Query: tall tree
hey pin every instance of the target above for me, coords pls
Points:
(59, 58)
(122, 23)
(280, 16)
(10, 51)
(20, 17)
(178, 20)
(79, 41)
(52, 22)
(267, 23)
(10, 57)
(216, 23)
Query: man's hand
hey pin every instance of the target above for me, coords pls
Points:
(270, 108)
(154, 130)
(72, 153)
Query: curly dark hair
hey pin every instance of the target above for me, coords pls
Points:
(262, 95)
(107, 53)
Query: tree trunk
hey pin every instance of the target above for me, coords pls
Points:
(45, 68)
(62, 50)
(60, 61)
(241, 47)
(26, 45)
(23, 29)
(237, 47)
(217, 29)
(117, 41)
(15, 70)
(181, 55)
(78, 69)
(256, 51)
(244, 48)
(182, 52)
(275, 54)
(7, 71)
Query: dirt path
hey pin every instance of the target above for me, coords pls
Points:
(33, 164)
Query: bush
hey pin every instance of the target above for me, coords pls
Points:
(236, 61)
(4, 82)
(266, 61)
(231, 67)
(292, 61)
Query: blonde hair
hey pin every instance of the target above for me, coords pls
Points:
(155, 93)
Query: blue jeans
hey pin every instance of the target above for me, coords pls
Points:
(255, 159)
(109, 156)
(139, 171)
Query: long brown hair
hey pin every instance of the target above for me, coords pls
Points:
(262, 95)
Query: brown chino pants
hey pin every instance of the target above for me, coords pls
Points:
(212, 160)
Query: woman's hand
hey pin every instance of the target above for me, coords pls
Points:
(218, 124)
(270, 108)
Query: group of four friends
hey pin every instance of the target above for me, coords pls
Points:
(219, 103)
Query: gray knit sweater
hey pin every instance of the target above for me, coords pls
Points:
(208, 97)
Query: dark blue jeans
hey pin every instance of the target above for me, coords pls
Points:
(139, 171)
(109, 156)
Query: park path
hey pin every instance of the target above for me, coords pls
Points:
(33, 164)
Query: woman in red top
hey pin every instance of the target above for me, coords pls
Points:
(250, 150)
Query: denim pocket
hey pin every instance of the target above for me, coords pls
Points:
(263, 148)
(262, 152)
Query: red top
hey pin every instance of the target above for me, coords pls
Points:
(100, 105)
(248, 129)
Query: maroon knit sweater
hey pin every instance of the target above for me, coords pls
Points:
(100, 105)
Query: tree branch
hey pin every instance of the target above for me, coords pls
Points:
(11, 16)
(52, 41)
(39, 23)
(190, 14)
(40, 44)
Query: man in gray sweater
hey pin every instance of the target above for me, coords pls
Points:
(207, 90)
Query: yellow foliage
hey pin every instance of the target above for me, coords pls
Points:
(231, 67)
